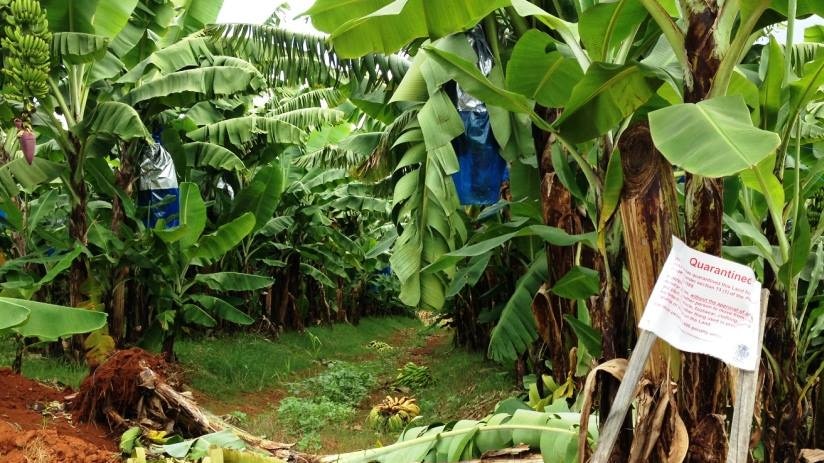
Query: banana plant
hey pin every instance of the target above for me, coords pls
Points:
(317, 244)
(115, 70)
(44, 322)
(182, 293)
(598, 78)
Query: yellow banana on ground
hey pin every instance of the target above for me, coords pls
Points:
(393, 414)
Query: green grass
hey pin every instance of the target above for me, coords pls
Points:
(466, 385)
(242, 363)
(43, 368)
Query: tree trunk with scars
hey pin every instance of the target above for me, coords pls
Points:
(78, 225)
(703, 384)
(782, 407)
(78, 231)
(558, 210)
(649, 214)
(124, 179)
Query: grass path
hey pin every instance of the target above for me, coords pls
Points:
(251, 380)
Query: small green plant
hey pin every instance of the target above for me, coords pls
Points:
(380, 347)
(552, 391)
(316, 343)
(393, 414)
(341, 383)
(413, 376)
(307, 417)
(236, 417)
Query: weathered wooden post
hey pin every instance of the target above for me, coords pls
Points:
(745, 395)
(704, 304)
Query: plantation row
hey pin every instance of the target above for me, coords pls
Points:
(518, 168)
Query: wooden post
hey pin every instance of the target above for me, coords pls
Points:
(746, 392)
(624, 396)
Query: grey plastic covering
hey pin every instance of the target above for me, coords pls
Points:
(157, 170)
(477, 40)
(221, 185)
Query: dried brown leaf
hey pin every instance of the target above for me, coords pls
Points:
(547, 324)
(680, 440)
(616, 368)
(812, 455)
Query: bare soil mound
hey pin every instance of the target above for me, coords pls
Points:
(34, 428)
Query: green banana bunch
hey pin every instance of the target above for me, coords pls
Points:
(413, 376)
(25, 48)
(393, 414)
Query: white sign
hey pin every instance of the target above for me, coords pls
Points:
(705, 304)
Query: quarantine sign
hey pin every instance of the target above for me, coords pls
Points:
(705, 304)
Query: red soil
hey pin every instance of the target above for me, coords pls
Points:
(28, 436)
(420, 355)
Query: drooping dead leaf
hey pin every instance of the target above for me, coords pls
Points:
(99, 346)
(616, 368)
(651, 430)
(680, 440)
(548, 326)
(644, 411)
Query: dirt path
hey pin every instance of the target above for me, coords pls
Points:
(33, 427)
(260, 408)
(465, 386)
(423, 355)
(254, 403)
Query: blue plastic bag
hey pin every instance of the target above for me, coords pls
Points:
(482, 169)
(158, 190)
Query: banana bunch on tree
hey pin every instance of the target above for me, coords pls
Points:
(25, 45)
(25, 62)
(393, 414)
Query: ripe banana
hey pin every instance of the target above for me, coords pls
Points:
(393, 413)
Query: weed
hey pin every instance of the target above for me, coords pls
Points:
(43, 368)
(310, 441)
(306, 416)
(342, 383)
(316, 343)
(236, 417)
(230, 365)
(380, 347)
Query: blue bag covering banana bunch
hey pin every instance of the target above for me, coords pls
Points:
(482, 169)
(158, 189)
